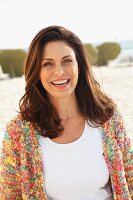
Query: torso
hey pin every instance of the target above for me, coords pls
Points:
(63, 178)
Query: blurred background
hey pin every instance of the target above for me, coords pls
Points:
(105, 28)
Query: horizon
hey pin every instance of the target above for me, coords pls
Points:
(123, 44)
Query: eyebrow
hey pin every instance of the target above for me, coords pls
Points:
(50, 59)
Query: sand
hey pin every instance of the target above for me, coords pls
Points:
(116, 82)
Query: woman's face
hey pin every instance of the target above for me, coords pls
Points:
(59, 69)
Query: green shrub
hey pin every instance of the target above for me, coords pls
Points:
(107, 51)
(92, 53)
(12, 62)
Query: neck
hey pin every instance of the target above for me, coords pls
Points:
(67, 108)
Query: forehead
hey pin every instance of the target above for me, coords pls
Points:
(57, 48)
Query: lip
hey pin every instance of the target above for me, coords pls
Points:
(60, 79)
(61, 86)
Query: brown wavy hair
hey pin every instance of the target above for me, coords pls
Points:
(94, 104)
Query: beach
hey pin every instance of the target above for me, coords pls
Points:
(117, 82)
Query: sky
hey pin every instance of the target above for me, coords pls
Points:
(94, 21)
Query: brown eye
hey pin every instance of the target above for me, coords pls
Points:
(68, 61)
(47, 64)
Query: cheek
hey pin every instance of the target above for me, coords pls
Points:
(43, 79)
(76, 71)
(43, 75)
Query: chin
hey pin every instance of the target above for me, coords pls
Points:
(63, 95)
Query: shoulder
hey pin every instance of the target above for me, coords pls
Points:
(17, 127)
(116, 128)
(116, 120)
(17, 123)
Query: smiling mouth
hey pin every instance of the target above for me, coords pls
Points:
(62, 82)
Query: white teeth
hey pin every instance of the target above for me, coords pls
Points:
(60, 82)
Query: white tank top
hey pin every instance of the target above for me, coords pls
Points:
(77, 170)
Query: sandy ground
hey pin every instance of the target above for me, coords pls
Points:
(117, 82)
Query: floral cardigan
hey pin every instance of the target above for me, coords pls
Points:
(21, 169)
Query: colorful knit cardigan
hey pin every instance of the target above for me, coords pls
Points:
(21, 169)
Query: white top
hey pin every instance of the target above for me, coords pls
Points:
(76, 170)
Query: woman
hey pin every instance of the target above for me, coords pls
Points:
(69, 140)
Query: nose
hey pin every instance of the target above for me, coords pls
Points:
(59, 70)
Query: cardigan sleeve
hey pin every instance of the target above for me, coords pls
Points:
(126, 146)
(10, 184)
